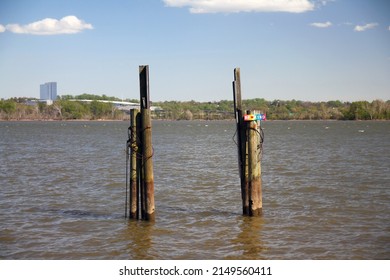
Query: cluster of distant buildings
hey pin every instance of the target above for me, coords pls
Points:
(48, 93)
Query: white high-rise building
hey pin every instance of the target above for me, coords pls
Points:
(48, 91)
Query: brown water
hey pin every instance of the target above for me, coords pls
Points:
(326, 192)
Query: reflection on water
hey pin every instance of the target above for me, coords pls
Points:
(248, 243)
(139, 236)
(325, 192)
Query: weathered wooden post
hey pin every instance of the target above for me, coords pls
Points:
(139, 152)
(254, 168)
(134, 167)
(241, 142)
(249, 140)
(147, 186)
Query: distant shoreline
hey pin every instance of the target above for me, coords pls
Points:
(80, 110)
(54, 120)
(200, 120)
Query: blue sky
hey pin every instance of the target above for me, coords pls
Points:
(292, 49)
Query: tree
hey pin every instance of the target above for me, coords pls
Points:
(100, 109)
(8, 106)
(378, 109)
(359, 111)
(73, 109)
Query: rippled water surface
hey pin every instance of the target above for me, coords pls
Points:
(326, 192)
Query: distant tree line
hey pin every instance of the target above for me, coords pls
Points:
(277, 110)
(87, 96)
(67, 107)
(61, 109)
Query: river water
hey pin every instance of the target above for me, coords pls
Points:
(326, 192)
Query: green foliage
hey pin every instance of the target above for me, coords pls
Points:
(176, 110)
(256, 104)
(70, 107)
(73, 110)
(360, 111)
(100, 109)
(65, 97)
(87, 96)
(7, 106)
(278, 109)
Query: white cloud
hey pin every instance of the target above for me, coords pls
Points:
(321, 24)
(324, 2)
(2, 28)
(50, 26)
(361, 28)
(389, 28)
(235, 6)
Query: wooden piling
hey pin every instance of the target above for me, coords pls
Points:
(141, 195)
(254, 168)
(140, 164)
(241, 142)
(147, 186)
(249, 149)
(134, 167)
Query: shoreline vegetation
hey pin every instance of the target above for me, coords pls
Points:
(68, 107)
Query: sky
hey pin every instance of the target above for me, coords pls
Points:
(309, 50)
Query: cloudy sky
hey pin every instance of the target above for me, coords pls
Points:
(309, 50)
